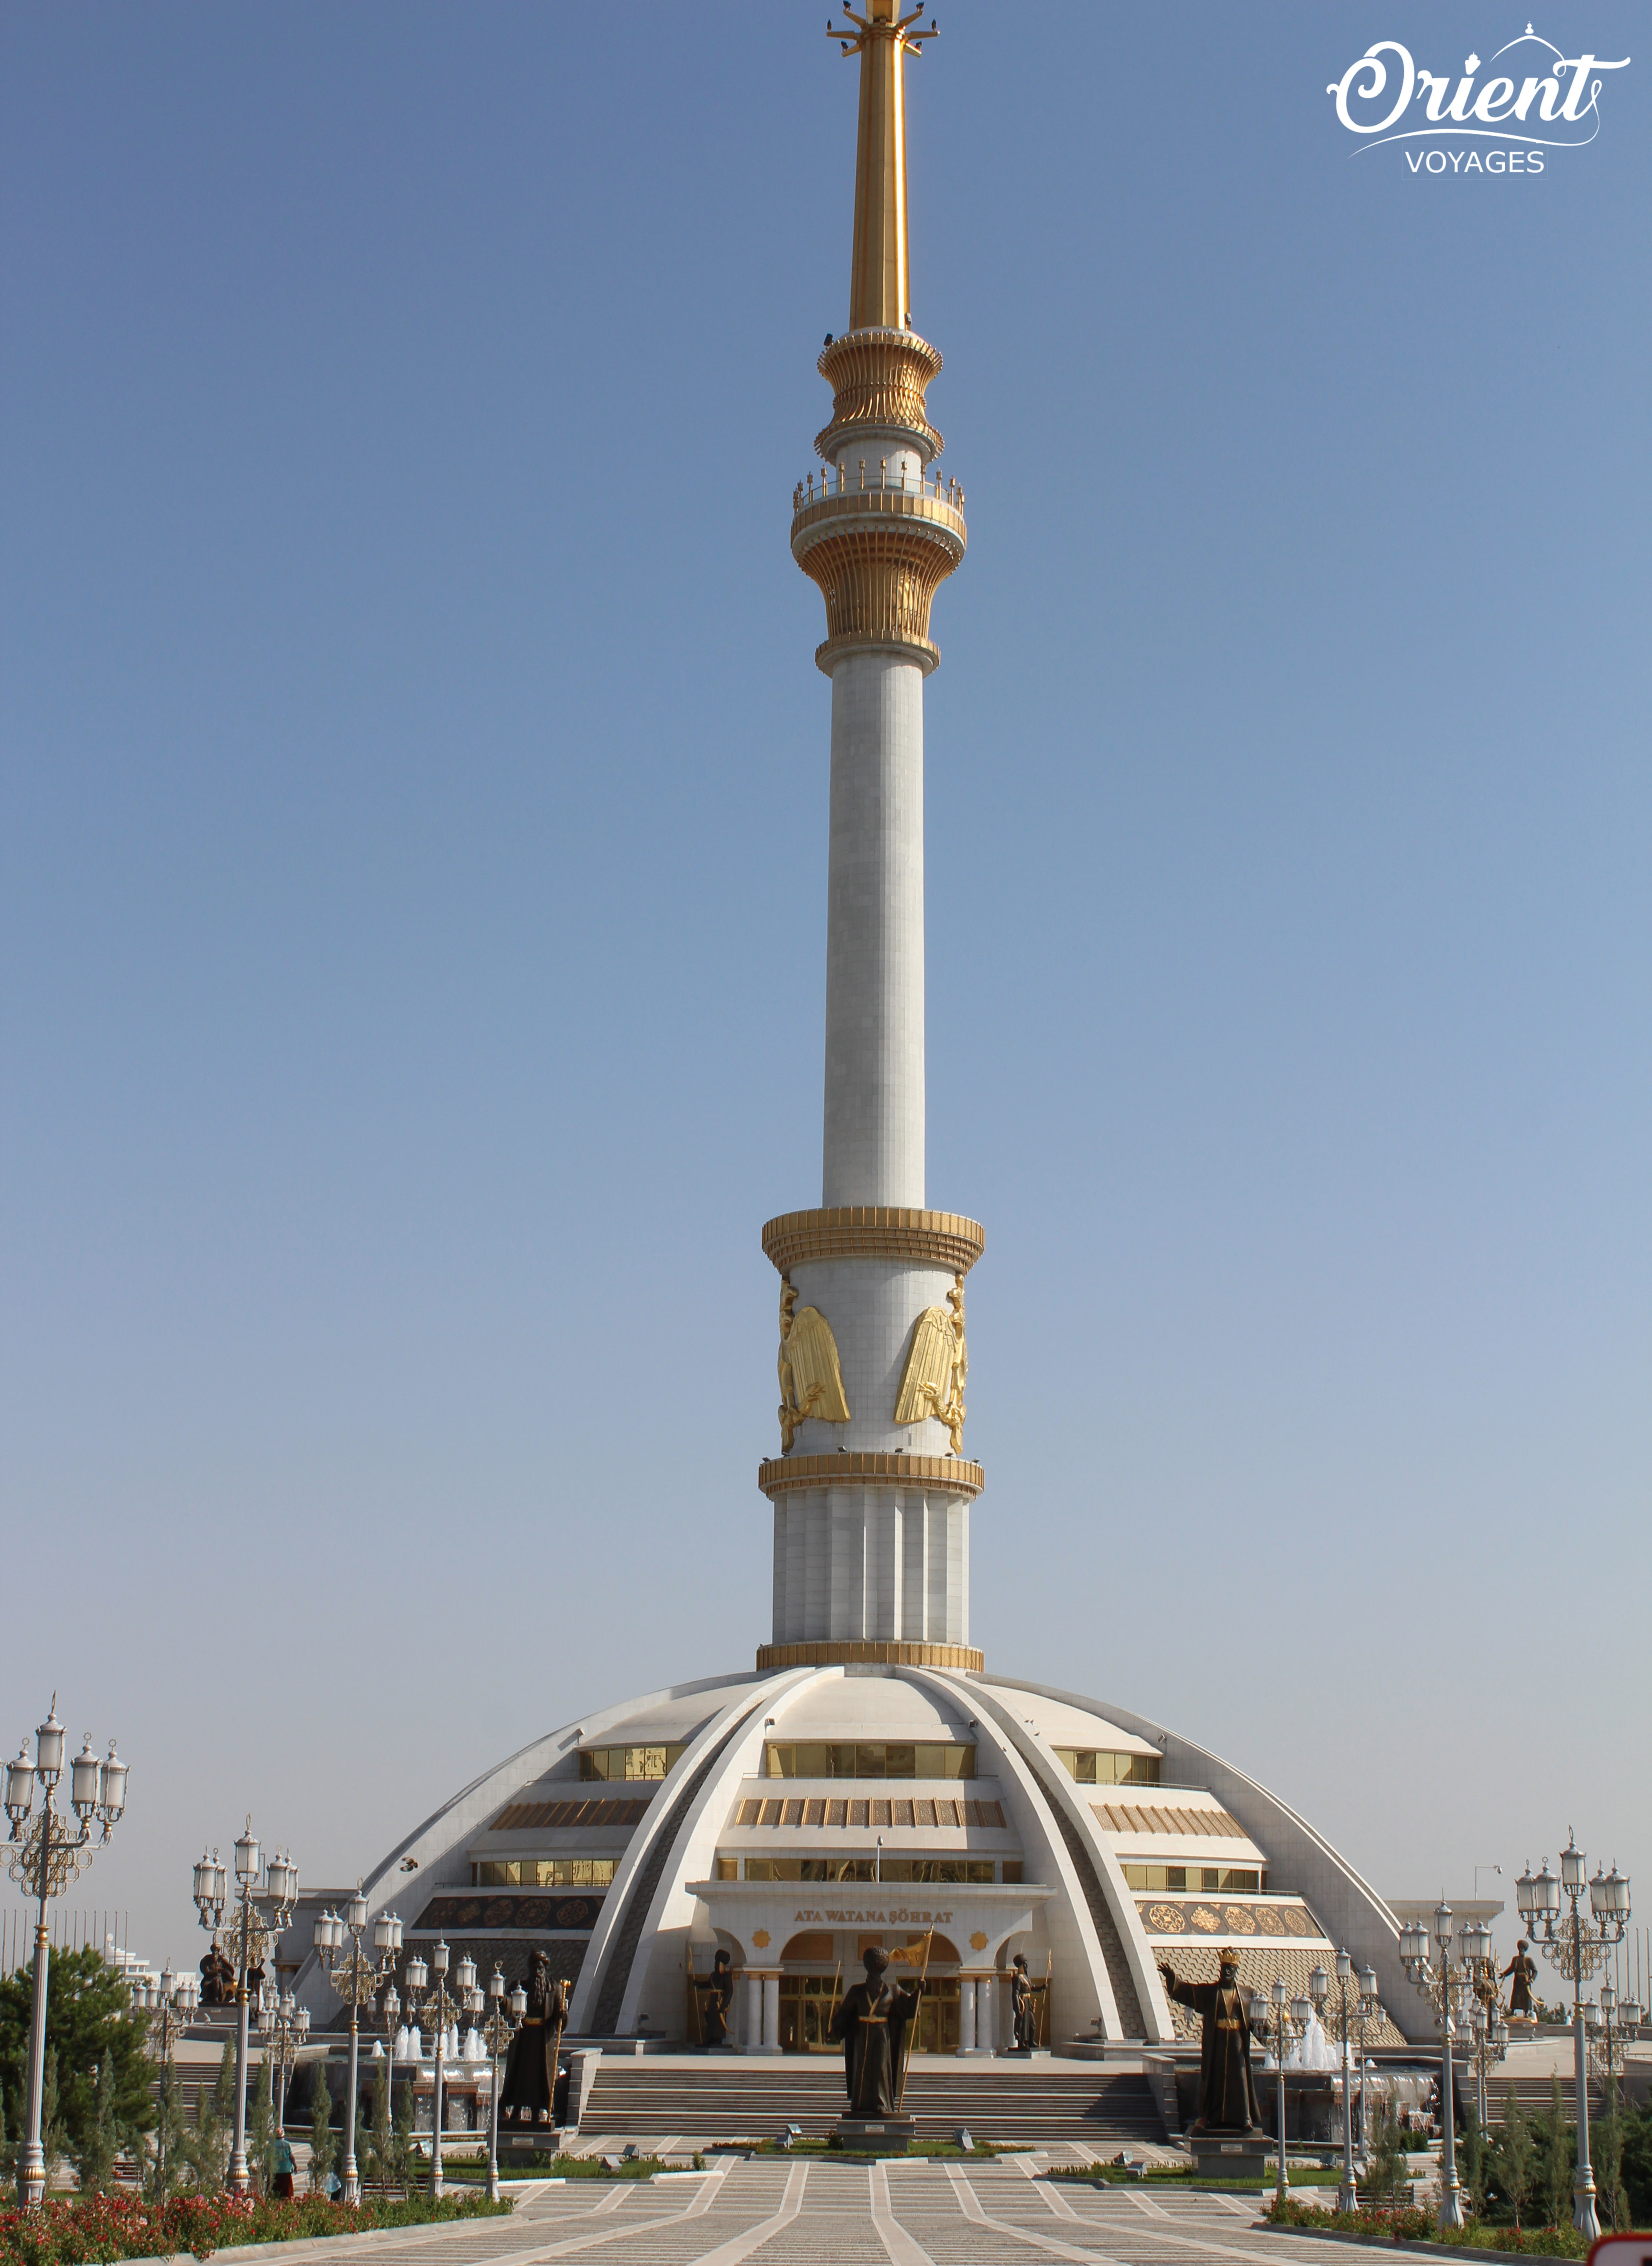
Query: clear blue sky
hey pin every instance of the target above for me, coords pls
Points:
(414, 838)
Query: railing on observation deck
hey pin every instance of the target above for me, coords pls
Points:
(907, 495)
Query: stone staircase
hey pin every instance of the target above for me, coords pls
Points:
(740, 2097)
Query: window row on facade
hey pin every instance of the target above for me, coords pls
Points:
(1101, 1767)
(870, 1758)
(628, 1762)
(1208, 1880)
(543, 1873)
(976, 1871)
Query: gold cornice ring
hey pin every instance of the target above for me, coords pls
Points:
(867, 1468)
(854, 1652)
(930, 1238)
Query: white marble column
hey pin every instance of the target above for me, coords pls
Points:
(754, 2014)
(987, 2014)
(873, 1149)
(966, 2014)
(771, 2013)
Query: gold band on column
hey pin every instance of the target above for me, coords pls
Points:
(865, 1652)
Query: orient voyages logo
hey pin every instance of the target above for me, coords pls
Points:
(1541, 100)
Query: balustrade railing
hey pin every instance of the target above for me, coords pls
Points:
(836, 480)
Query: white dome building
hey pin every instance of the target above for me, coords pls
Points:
(869, 1781)
(792, 1817)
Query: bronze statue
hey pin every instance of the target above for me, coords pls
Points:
(528, 2093)
(217, 1979)
(1024, 1997)
(716, 1995)
(872, 2021)
(1523, 1968)
(1227, 2097)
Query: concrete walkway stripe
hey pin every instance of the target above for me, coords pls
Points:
(970, 2203)
(903, 2249)
(741, 2245)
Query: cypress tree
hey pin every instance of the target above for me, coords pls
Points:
(323, 2148)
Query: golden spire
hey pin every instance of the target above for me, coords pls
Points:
(878, 281)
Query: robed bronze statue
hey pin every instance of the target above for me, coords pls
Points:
(873, 2022)
(714, 1996)
(1523, 1971)
(1024, 1997)
(217, 1980)
(1227, 2097)
(528, 2093)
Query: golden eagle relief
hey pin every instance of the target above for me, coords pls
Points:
(811, 1382)
(932, 1382)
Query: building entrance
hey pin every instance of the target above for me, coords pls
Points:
(807, 2003)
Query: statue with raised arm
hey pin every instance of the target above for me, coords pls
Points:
(1227, 2096)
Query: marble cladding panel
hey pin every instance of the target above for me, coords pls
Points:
(874, 1146)
(877, 1562)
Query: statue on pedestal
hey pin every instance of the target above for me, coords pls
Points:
(1523, 1968)
(714, 1995)
(1023, 2009)
(1227, 2097)
(873, 2022)
(527, 2094)
(217, 1980)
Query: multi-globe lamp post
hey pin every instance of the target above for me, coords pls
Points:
(1577, 1947)
(1280, 2020)
(282, 2027)
(436, 2010)
(1452, 1986)
(1356, 2010)
(247, 1936)
(496, 2034)
(170, 2002)
(43, 1859)
(1489, 2041)
(355, 1979)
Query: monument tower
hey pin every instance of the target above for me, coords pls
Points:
(869, 1781)
(871, 1490)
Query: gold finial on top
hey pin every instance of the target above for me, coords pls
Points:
(878, 282)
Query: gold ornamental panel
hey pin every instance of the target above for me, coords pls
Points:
(878, 581)
(863, 1467)
(858, 1652)
(879, 377)
(929, 1238)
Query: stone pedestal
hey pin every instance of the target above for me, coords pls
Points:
(876, 2135)
(1243, 2157)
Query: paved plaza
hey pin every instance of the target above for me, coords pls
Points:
(782, 2212)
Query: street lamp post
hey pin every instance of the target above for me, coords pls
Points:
(1490, 2043)
(1280, 2024)
(43, 1859)
(170, 2002)
(355, 1979)
(1450, 1987)
(497, 2033)
(1576, 1949)
(390, 2014)
(1346, 2014)
(438, 2008)
(282, 2027)
(247, 1936)
(1619, 2019)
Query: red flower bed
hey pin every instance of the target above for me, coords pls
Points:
(102, 2228)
